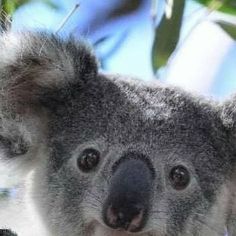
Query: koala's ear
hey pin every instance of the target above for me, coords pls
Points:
(228, 114)
(37, 70)
(33, 65)
(228, 117)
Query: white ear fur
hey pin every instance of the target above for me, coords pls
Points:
(228, 113)
(22, 147)
(32, 64)
(34, 67)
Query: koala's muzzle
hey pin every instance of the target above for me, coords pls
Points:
(128, 200)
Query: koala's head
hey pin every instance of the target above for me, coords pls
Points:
(112, 155)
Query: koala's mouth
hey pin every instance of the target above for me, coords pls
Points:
(101, 230)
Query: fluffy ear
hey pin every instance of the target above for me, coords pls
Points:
(229, 113)
(36, 69)
(228, 116)
(34, 64)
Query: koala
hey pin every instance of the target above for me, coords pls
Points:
(110, 155)
(6, 232)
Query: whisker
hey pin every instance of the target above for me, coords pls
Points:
(209, 226)
(200, 218)
(97, 198)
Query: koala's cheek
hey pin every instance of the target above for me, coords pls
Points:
(216, 217)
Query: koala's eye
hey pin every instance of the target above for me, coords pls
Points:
(179, 177)
(88, 160)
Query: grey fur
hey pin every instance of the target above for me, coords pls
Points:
(55, 104)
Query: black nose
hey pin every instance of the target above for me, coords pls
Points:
(128, 201)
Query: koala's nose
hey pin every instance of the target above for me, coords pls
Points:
(128, 201)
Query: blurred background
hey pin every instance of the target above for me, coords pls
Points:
(186, 42)
(189, 43)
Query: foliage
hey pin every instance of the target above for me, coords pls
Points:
(228, 28)
(168, 30)
(10, 6)
(226, 6)
(167, 35)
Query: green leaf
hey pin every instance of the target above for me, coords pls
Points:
(226, 6)
(228, 28)
(8, 6)
(51, 4)
(19, 3)
(167, 36)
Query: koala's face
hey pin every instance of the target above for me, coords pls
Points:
(118, 157)
(125, 157)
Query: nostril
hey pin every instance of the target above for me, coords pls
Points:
(136, 222)
(112, 217)
(130, 219)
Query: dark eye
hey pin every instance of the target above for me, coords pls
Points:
(88, 160)
(179, 177)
